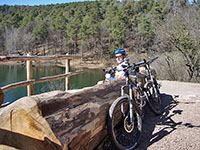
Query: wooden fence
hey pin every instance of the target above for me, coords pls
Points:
(29, 83)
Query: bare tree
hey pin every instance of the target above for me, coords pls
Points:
(2, 39)
(18, 42)
(12, 39)
(26, 42)
(181, 32)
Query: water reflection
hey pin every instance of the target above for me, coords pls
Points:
(15, 73)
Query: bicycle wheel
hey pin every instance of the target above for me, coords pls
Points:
(154, 98)
(123, 133)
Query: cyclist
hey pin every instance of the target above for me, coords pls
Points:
(120, 55)
(122, 61)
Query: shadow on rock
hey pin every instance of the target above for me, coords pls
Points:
(165, 124)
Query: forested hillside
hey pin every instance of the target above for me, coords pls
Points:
(169, 28)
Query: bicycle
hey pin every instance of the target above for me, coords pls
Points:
(125, 115)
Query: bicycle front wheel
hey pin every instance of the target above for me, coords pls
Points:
(123, 132)
(154, 98)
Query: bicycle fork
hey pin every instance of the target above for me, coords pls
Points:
(132, 104)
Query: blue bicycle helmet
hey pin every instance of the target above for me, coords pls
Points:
(120, 51)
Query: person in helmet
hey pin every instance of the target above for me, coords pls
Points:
(120, 55)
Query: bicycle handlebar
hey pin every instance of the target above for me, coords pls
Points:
(152, 60)
(134, 66)
(110, 71)
(144, 62)
(138, 64)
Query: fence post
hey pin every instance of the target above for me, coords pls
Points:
(67, 70)
(29, 71)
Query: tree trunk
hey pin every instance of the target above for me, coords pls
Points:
(79, 119)
(59, 120)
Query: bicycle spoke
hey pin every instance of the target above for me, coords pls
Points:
(125, 134)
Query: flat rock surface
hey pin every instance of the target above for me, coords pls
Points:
(178, 128)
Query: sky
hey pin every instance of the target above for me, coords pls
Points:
(36, 2)
(39, 2)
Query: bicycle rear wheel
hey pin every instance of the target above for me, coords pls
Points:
(154, 98)
(123, 133)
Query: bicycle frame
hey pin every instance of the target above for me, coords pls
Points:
(133, 88)
(126, 112)
(131, 96)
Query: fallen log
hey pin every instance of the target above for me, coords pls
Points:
(63, 120)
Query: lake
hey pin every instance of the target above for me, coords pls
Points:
(15, 73)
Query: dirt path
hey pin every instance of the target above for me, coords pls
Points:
(179, 126)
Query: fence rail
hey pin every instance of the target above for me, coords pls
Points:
(34, 81)
(38, 58)
(29, 83)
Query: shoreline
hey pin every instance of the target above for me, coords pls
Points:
(74, 64)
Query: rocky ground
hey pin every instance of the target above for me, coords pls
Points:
(178, 128)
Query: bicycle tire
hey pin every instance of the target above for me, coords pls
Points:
(122, 134)
(155, 102)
